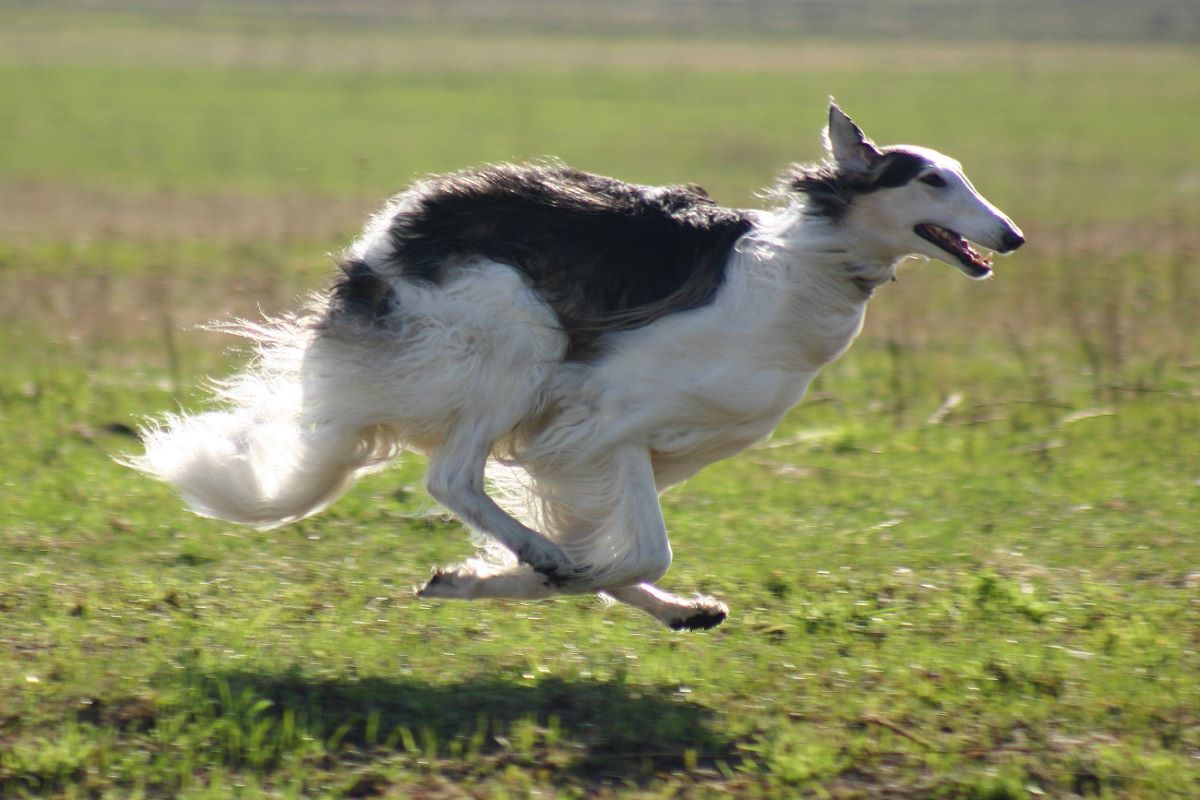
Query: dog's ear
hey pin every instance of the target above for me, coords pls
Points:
(852, 151)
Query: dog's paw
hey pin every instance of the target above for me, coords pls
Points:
(447, 582)
(566, 579)
(555, 568)
(705, 614)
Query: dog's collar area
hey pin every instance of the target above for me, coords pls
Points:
(970, 260)
(867, 280)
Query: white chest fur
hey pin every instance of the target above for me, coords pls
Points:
(702, 385)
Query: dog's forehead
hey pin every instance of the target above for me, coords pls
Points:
(933, 157)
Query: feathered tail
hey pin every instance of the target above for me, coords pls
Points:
(287, 441)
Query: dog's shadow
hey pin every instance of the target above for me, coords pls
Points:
(586, 726)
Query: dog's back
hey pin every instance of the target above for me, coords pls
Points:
(604, 254)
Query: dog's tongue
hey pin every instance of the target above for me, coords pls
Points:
(970, 260)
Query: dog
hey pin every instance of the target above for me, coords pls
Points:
(563, 347)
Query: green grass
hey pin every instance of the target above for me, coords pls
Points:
(964, 609)
(992, 596)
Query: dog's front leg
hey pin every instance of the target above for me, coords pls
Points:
(677, 613)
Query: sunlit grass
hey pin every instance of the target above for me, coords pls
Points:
(923, 603)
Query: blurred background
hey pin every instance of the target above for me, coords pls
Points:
(187, 159)
(167, 162)
(966, 566)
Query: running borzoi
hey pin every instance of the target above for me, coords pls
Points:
(588, 341)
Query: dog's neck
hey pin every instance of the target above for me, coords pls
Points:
(819, 250)
(814, 286)
(866, 277)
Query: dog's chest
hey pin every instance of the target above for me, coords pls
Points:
(691, 415)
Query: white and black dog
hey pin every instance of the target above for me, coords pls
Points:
(583, 341)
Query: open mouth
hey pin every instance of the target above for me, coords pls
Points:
(970, 260)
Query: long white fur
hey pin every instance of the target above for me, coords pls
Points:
(473, 374)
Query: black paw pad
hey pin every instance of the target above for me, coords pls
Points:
(434, 579)
(700, 621)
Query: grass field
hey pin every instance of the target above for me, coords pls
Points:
(966, 567)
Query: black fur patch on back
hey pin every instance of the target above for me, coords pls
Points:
(605, 254)
(830, 192)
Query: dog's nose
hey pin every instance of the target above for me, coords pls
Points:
(1011, 240)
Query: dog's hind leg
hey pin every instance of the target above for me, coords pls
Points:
(677, 613)
(607, 519)
(476, 580)
(455, 479)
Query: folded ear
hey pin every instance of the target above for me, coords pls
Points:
(852, 151)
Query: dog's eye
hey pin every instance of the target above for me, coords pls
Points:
(933, 179)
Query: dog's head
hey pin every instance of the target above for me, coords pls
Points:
(903, 200)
